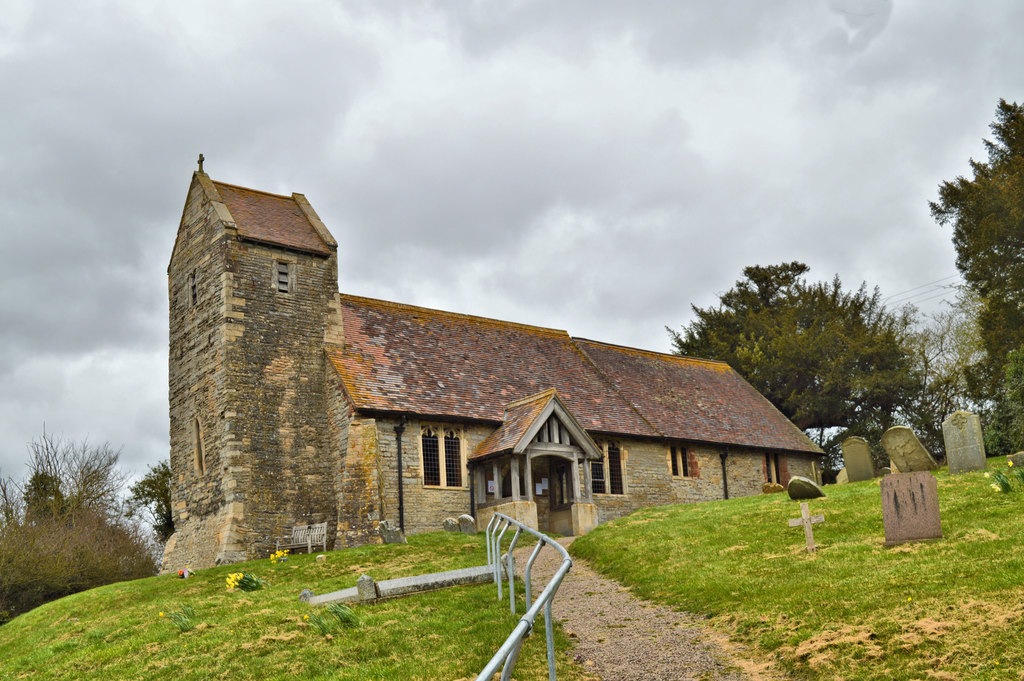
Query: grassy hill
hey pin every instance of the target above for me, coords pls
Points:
(856, 609)
(118, 632)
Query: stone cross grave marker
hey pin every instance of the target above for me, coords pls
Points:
(906, 451)
(910, 507)
(806, 519)
(857, 457)
(965, 444)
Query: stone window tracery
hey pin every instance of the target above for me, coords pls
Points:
(443, 462)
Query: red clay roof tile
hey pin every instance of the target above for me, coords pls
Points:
(271, 217)
(695, 399)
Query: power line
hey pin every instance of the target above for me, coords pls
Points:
(930, 283)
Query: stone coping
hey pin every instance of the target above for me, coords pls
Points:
(403, 586)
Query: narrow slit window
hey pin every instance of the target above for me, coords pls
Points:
(675, 461)
(452, 460)
(614, 468)
(431, 458)
(197, 447)
(193, 288)
(684, 461)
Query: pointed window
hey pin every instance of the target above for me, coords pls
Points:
(442, 456)
(197, 447)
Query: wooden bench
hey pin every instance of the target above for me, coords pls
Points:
(304, 537)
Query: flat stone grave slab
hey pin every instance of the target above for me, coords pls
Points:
(910, 507)
(389, 588)
(857, 457)
(965, 443)
(906, 451)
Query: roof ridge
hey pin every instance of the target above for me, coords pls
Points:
(655, 353)
(460, 315)
(255, 191)
(549, 393)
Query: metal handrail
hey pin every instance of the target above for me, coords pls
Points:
(508, 653)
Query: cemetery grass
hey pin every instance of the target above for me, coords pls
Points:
(117, 632)
(855, 609)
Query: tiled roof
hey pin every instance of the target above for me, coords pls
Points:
(401, 358)
(519, 416)
(694, 399)
(422, 361)
(272, 218)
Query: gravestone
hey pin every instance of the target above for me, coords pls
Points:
(803, 488)
(772, 488)
(842, 477)
(467, 524)
(857, 457)
(390, 533)
(906, 451)
(451, 525)
(366, 588)
(807, 520)
(910, 507)
(305, 595)
(965, 443)
(1016, 459)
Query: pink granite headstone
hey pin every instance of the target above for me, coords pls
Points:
(910, 507)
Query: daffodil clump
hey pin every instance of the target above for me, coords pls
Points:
(182, 618)
(279, 556)
(1003, 481)
(246, 581)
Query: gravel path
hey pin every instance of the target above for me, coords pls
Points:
(623, 638)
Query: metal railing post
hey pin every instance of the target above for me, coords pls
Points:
(508, 654)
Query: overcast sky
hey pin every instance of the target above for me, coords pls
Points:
(588, 165)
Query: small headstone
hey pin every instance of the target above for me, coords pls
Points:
(390, 533)
(965, 443)
(806, 519)
(467, 524)
(1016, 459)
(321, 558)
(451, 525)
(367, 588)
(885, 471)
(803, 488)
(906, 451)
(857, 457)
(772, 488)
(305, 595)
(842, 477)
(910, 507)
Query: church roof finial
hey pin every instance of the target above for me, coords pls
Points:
(201, 163)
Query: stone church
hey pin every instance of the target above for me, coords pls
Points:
(292, 403)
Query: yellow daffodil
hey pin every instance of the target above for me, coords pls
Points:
(1010, 464)
(161, 614)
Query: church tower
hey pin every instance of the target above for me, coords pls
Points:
(252, 284)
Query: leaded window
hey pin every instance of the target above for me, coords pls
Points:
(441, 449)
(614, 468)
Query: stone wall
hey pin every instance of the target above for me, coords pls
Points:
(246, 362)
(201, 481)
(276, 366)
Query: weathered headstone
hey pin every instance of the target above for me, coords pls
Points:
(390, 533)
(322, 558)
(451, 525)
(1016, 459)
(306, 595)
(772, 488)
(885, 471)
(367, 588)
(906, 451)
(842, 477)
(806, 519)
(803, 488)
(965, 443)
(857, 457)
(910, 507)
(467, 525)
